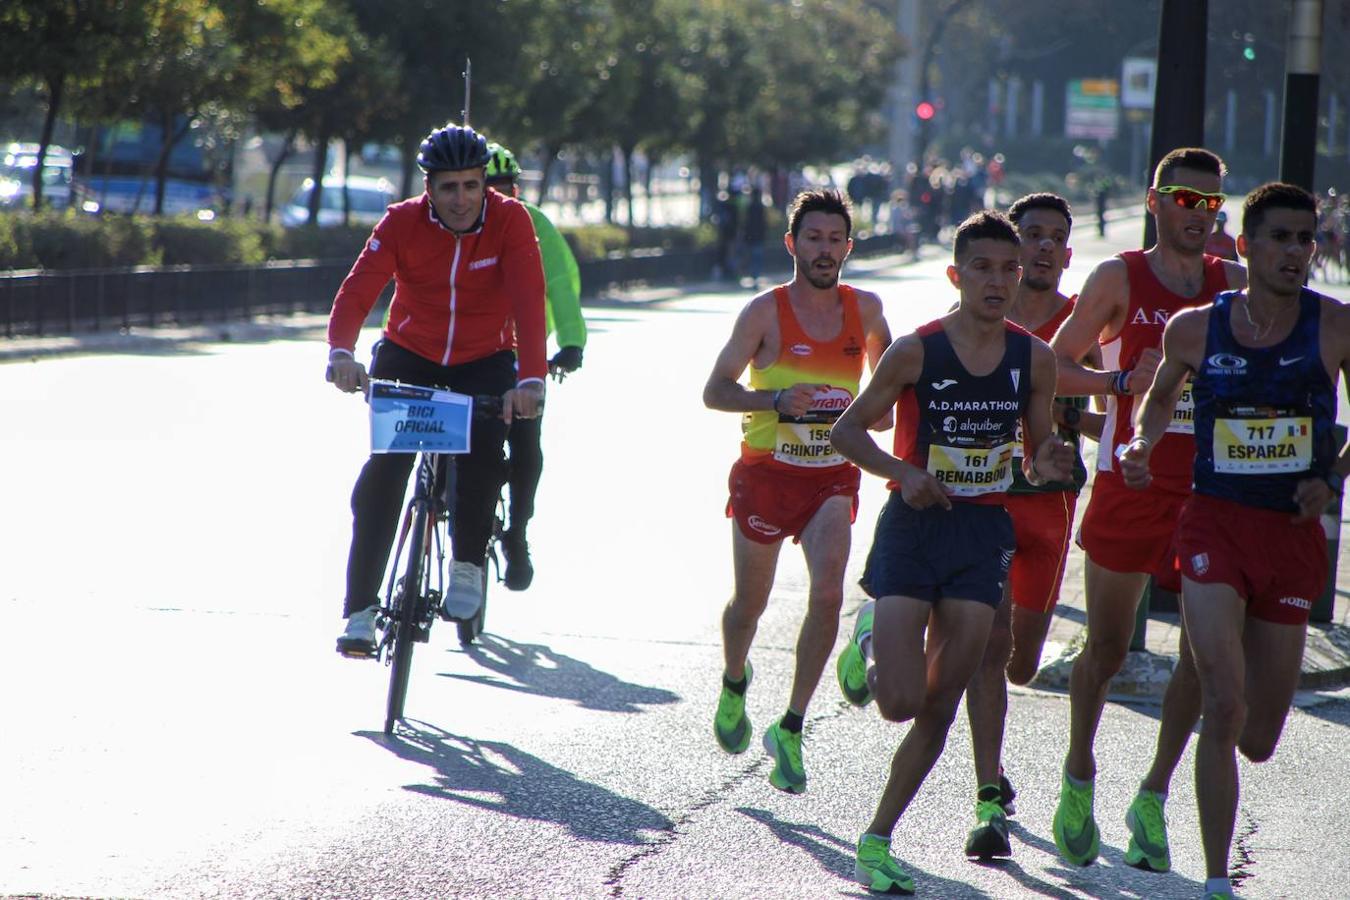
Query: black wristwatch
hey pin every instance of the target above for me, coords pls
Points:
(1071, 417)
(1336, 481)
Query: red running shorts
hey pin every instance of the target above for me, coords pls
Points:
(1279, 567)
(772, 502)
(1042, 523)
(1128, 530)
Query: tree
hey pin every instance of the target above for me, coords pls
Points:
(553, 88)
(191, 72)
(294, 48)
(428, 43)
(62, 45)
(636, 102)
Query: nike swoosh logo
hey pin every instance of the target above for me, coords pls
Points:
(1289, 362)
(1141, 839)
(943, 384)
(1080, 844)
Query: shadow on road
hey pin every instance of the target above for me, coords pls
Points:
(1142, 884)
(495, 776)
(539, 670)
(835, 856)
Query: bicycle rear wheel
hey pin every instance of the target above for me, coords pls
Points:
(407, 613)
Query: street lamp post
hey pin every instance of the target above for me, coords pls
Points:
(1179, 92)
(1303, 67)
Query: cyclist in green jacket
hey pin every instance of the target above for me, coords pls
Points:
(563, 314)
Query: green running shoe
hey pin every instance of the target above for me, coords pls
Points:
(1076, 833)
(990, 836)
(1148, 834)
(878, 870)
(852, 665)
(731, 725)
(785, 748)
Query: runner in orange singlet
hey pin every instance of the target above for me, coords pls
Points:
(1127, 535)
(804, 344)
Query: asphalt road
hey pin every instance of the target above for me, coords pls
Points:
(176, 724)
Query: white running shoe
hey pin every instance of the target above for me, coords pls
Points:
(464, 597)
(359, 637)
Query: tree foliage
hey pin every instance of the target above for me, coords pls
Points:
(733, 82)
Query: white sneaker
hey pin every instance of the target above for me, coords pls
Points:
(359, 638)
(464, 597)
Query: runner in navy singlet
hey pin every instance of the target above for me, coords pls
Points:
(1252, 552)
(943, 541)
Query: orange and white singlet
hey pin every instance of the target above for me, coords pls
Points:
(804, 442)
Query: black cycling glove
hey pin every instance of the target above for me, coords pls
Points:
(568, 359)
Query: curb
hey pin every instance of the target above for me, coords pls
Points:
(1145, 674)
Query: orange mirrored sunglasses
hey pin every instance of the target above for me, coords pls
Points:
(1190, 198)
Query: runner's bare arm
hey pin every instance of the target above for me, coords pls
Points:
(1313, 494)
(1099, 313)
(899, 368)
(878, 337)
(1088, 423)
(1237, 275)
(1183, 345)
(1053, 457)
(751, 333)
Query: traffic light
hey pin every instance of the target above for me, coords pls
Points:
(924, 111)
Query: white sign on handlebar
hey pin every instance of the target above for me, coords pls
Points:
(408, 418)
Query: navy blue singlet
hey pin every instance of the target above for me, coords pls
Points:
(961, 427)
(1264, 417)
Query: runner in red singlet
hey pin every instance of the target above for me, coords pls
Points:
(1127, 535)
(804, 344)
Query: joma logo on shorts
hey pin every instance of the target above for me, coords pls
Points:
(1296, 601)
(762, 527)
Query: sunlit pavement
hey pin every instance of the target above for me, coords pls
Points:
(176, 724)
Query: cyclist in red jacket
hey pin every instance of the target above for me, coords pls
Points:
(468, 287)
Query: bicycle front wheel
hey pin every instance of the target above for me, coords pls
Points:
(407, 613)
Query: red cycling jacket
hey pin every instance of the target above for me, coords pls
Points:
(457, 297)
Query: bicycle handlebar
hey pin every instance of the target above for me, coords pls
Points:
(485, 406)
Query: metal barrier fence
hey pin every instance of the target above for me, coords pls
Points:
(42, 302)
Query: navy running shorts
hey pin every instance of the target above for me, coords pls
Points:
(932, 554)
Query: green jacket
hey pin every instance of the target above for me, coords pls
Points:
(562, 282)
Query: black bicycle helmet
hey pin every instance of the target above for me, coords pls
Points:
(452, 148)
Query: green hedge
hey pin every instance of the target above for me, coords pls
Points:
(68, 241)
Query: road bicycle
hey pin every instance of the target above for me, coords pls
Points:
(417, 576)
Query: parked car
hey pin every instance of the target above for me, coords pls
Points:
(367, 198)
(16, 175)
(136, 194)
